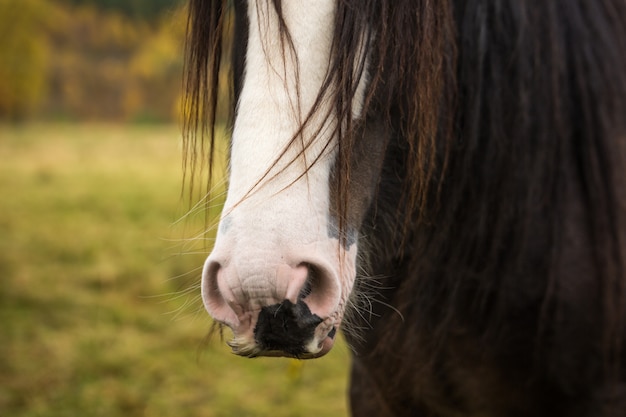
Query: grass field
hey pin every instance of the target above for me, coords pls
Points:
(99, 302)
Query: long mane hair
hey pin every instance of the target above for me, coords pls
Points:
(506, 123)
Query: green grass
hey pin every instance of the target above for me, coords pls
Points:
(99, 302)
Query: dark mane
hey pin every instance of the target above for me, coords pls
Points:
(534, 179)
(505, 129)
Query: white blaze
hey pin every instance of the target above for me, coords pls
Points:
(277, 95)
(275, 98)
(274, 217)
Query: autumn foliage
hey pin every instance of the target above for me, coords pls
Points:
(90, 60)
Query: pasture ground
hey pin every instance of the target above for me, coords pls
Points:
(99, 302)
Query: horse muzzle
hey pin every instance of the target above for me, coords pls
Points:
(273, 309)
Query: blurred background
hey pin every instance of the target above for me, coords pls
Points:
(100, 253)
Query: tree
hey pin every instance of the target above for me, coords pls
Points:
(137, 9)
(23, 52)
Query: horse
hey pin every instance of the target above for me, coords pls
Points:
(442, 181)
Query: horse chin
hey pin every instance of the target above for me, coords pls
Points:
(326, 346)
(242, 346)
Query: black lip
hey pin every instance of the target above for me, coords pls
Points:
(286, 327)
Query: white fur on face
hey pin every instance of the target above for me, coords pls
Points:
(277, 94)
(275, 219)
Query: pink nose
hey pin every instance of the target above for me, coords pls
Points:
(230, 297)
(273, 309)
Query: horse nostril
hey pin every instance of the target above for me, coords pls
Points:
(306, 289)
(218, 299)
(319, 290)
